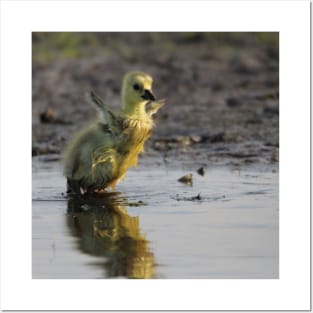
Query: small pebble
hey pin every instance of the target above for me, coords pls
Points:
(275, 155)
(48, 116)
(197, 197)
(200, 171)
(234, 102)
(187, 179)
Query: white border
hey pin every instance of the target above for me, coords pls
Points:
(19, 19)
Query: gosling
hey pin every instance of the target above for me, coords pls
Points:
(100, 155)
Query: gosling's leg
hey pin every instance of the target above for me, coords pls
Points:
(74, 186)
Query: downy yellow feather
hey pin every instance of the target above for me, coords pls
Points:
(100, 155)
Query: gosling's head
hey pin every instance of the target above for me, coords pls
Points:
(136, 90)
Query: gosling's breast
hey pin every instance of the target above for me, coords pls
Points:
(136, 132)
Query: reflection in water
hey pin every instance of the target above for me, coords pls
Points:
(105, 228)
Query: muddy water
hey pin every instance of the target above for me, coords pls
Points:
(223, 226)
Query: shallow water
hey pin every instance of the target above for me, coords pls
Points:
(224, 226)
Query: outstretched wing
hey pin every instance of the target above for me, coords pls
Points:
(154, 106)
(106, 113)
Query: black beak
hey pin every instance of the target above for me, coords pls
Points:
(148, 95)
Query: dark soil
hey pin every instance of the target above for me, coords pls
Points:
(221, 90)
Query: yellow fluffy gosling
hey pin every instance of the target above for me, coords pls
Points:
(100, 155)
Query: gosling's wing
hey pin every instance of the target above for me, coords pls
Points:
(107, 114)
(84, 149)
(104, 165)
(154, 106)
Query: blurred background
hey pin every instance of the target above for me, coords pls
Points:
(221, 90)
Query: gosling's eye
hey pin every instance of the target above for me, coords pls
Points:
(136, 87)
